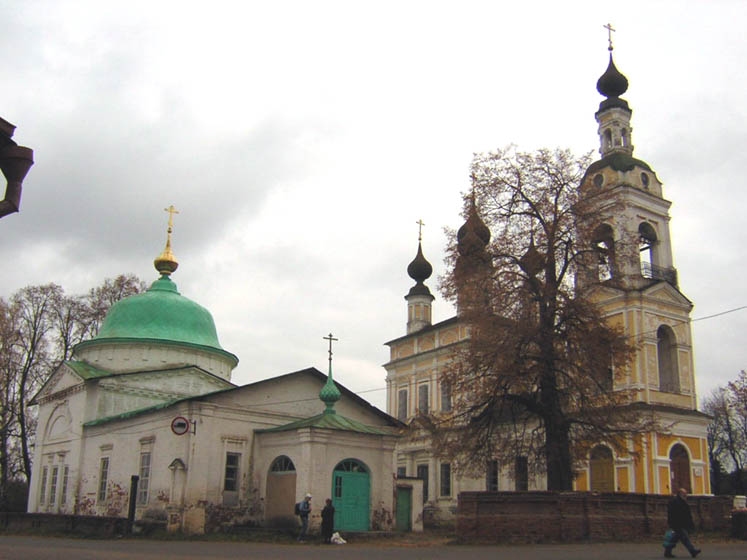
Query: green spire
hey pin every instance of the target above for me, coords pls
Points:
(330, 394)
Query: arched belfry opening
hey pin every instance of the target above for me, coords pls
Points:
(604, 247)
(647, 245)
(666, 348)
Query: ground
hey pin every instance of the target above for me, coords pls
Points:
(405, 548)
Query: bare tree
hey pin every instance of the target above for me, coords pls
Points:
(727, 432)
(536, 376)
(39, 327)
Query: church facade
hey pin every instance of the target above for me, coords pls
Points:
(151, 396)
(638, 290)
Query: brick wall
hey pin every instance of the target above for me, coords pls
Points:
(571, 516)
(90, 525)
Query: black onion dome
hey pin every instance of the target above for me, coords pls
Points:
(475, 228)
(612, 83)
(419, 269)
(532, 261)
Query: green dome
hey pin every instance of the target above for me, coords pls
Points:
(161, 313)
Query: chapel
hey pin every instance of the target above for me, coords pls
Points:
(151, 396)
(637, 288)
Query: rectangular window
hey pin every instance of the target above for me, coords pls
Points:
(144, 484)
(43, 486)
(491, 479)
(63, 492)
(231, 481)
(423, 398)
(445, 479)
(103, 478)
(338, 487)
(423, 475)
(401, 471)
(402, 405)
(522, 474)
(53, 486)
(445, 397)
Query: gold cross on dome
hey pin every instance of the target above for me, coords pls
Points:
(610, 30)
(171, 210)
(420, 223)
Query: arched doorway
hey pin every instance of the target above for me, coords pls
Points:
(602, 467)
(351, 495)
(679, 467)
(281, 493)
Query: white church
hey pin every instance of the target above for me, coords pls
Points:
(151, 396)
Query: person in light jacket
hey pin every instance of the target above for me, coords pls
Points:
(303, 513)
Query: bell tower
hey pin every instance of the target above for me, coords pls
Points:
(632, 272)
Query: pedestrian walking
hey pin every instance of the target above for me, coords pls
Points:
(304, 509)
(680, 521)
(328, 521)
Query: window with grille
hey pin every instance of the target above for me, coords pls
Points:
(144, 484)
(231, 480)
(53, 486)
(445, 397)
(282, 464)
(423, 398)
(491, 483)
(522, 473)
(423, 475)
(43, 486)
(103, 478)
(63, 491)
(446, 479)
(402, 405)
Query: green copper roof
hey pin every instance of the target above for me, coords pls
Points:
(331, 422)
(619, 161)
(86, 371)
(161, 313)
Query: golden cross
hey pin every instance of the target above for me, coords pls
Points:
(420, 229)
(171, 210)
(609, 29)
(330, 338)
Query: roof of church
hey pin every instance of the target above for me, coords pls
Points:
(619, 161)
(331, 422)
(308, 371)
(86, 371)
(160, 314)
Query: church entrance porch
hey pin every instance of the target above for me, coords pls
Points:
(351, 489)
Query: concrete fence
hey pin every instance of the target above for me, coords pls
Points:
(573, 516)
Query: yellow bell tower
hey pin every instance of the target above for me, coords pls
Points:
(636, 286)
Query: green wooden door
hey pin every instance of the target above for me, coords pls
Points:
(351, 491)
(404, 509)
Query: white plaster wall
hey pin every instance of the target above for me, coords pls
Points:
(137, 356)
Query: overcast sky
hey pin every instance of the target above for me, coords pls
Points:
(301, 141)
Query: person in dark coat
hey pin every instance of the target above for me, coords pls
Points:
(328, 521)
(680, 520)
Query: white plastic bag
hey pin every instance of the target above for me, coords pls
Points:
(337, 539)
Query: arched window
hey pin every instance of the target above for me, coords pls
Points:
(648, 250)
(282, 464)
(604, 245)
(608, 138)
(602, 467)
(351, 465)
(624, 133)
(666, 347)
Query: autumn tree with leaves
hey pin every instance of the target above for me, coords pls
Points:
(535, 377)
(39, 327)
